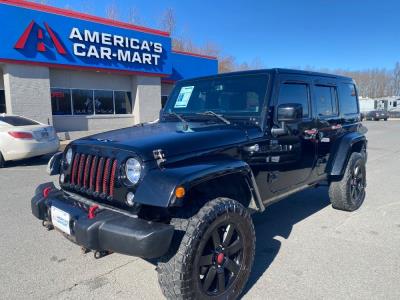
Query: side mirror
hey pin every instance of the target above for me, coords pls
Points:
(287, 113)
(290, 112)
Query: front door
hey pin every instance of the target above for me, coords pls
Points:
(296, 151)
(281, 163)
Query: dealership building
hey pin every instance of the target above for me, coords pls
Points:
(83, 73)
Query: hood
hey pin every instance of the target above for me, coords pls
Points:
(171, 137)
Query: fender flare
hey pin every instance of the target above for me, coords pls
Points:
(342, 150)
(158, 186)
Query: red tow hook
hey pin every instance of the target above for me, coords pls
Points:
(46, 191)
(92, 211)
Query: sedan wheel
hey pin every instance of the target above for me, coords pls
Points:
(2, 162)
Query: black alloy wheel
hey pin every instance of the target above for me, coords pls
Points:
(214, 257)
(357, 184)
(349, 192)
(221, 259)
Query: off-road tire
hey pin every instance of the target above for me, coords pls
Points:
(2, 162)
(340, 192)
(178, 273)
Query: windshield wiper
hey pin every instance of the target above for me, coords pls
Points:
(211, 113)
(180, 118)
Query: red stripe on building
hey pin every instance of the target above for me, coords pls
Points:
(81, 68)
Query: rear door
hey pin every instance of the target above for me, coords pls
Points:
(328, 121)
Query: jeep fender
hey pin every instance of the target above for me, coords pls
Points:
(341, 152)
(158, 186)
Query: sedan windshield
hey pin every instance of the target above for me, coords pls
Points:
(236, 95)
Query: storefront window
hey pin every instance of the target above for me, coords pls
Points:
(2, 102)
(87, 102)
(123, 102)
(82, 102)
(103, 102)
(61, 101)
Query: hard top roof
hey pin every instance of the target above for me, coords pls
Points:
(276, 71)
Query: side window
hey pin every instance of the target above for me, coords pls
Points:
(295, 93)
(348, 99)
(326, 101)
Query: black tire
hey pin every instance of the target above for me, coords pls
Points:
(2, 161)
(385, 119)
(213, 260)
(349, 193)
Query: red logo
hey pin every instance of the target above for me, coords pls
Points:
(21, 43)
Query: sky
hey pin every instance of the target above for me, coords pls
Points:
(346, 34)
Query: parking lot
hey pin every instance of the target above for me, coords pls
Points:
(305, 248)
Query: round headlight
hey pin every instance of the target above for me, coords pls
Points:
(133, 169)
(68, 156)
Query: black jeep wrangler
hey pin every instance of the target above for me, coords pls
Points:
(182, 189)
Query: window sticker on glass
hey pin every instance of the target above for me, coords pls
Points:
(184, 96)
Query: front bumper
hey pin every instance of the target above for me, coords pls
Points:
(110, 230)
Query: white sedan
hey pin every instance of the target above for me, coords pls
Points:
(22, 138)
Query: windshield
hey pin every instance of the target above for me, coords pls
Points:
(237, 95)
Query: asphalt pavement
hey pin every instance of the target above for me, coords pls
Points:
(305, 248)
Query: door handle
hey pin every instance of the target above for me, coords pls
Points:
(337, 126)
(310, 133)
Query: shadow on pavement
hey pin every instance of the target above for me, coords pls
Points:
(278, 220)
(34, 161)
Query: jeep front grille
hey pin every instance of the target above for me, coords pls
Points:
(93, 175)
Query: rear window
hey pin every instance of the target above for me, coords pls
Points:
(17, 121)
(326, 101)
(348, 99)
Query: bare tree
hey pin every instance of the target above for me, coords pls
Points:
(257, 64)
(168, 21)
(373, 83)
(210, 49)
(86, 6)
(396, 79)
(226, 64)
(134, 16)
(112, 11)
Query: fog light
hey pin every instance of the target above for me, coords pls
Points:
(62, 178)
(129, 199)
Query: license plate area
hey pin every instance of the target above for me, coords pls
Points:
(61, 220)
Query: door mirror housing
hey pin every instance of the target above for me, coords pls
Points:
(287, 113)
(290, 112)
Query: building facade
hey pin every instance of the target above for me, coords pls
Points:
(82, 73)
